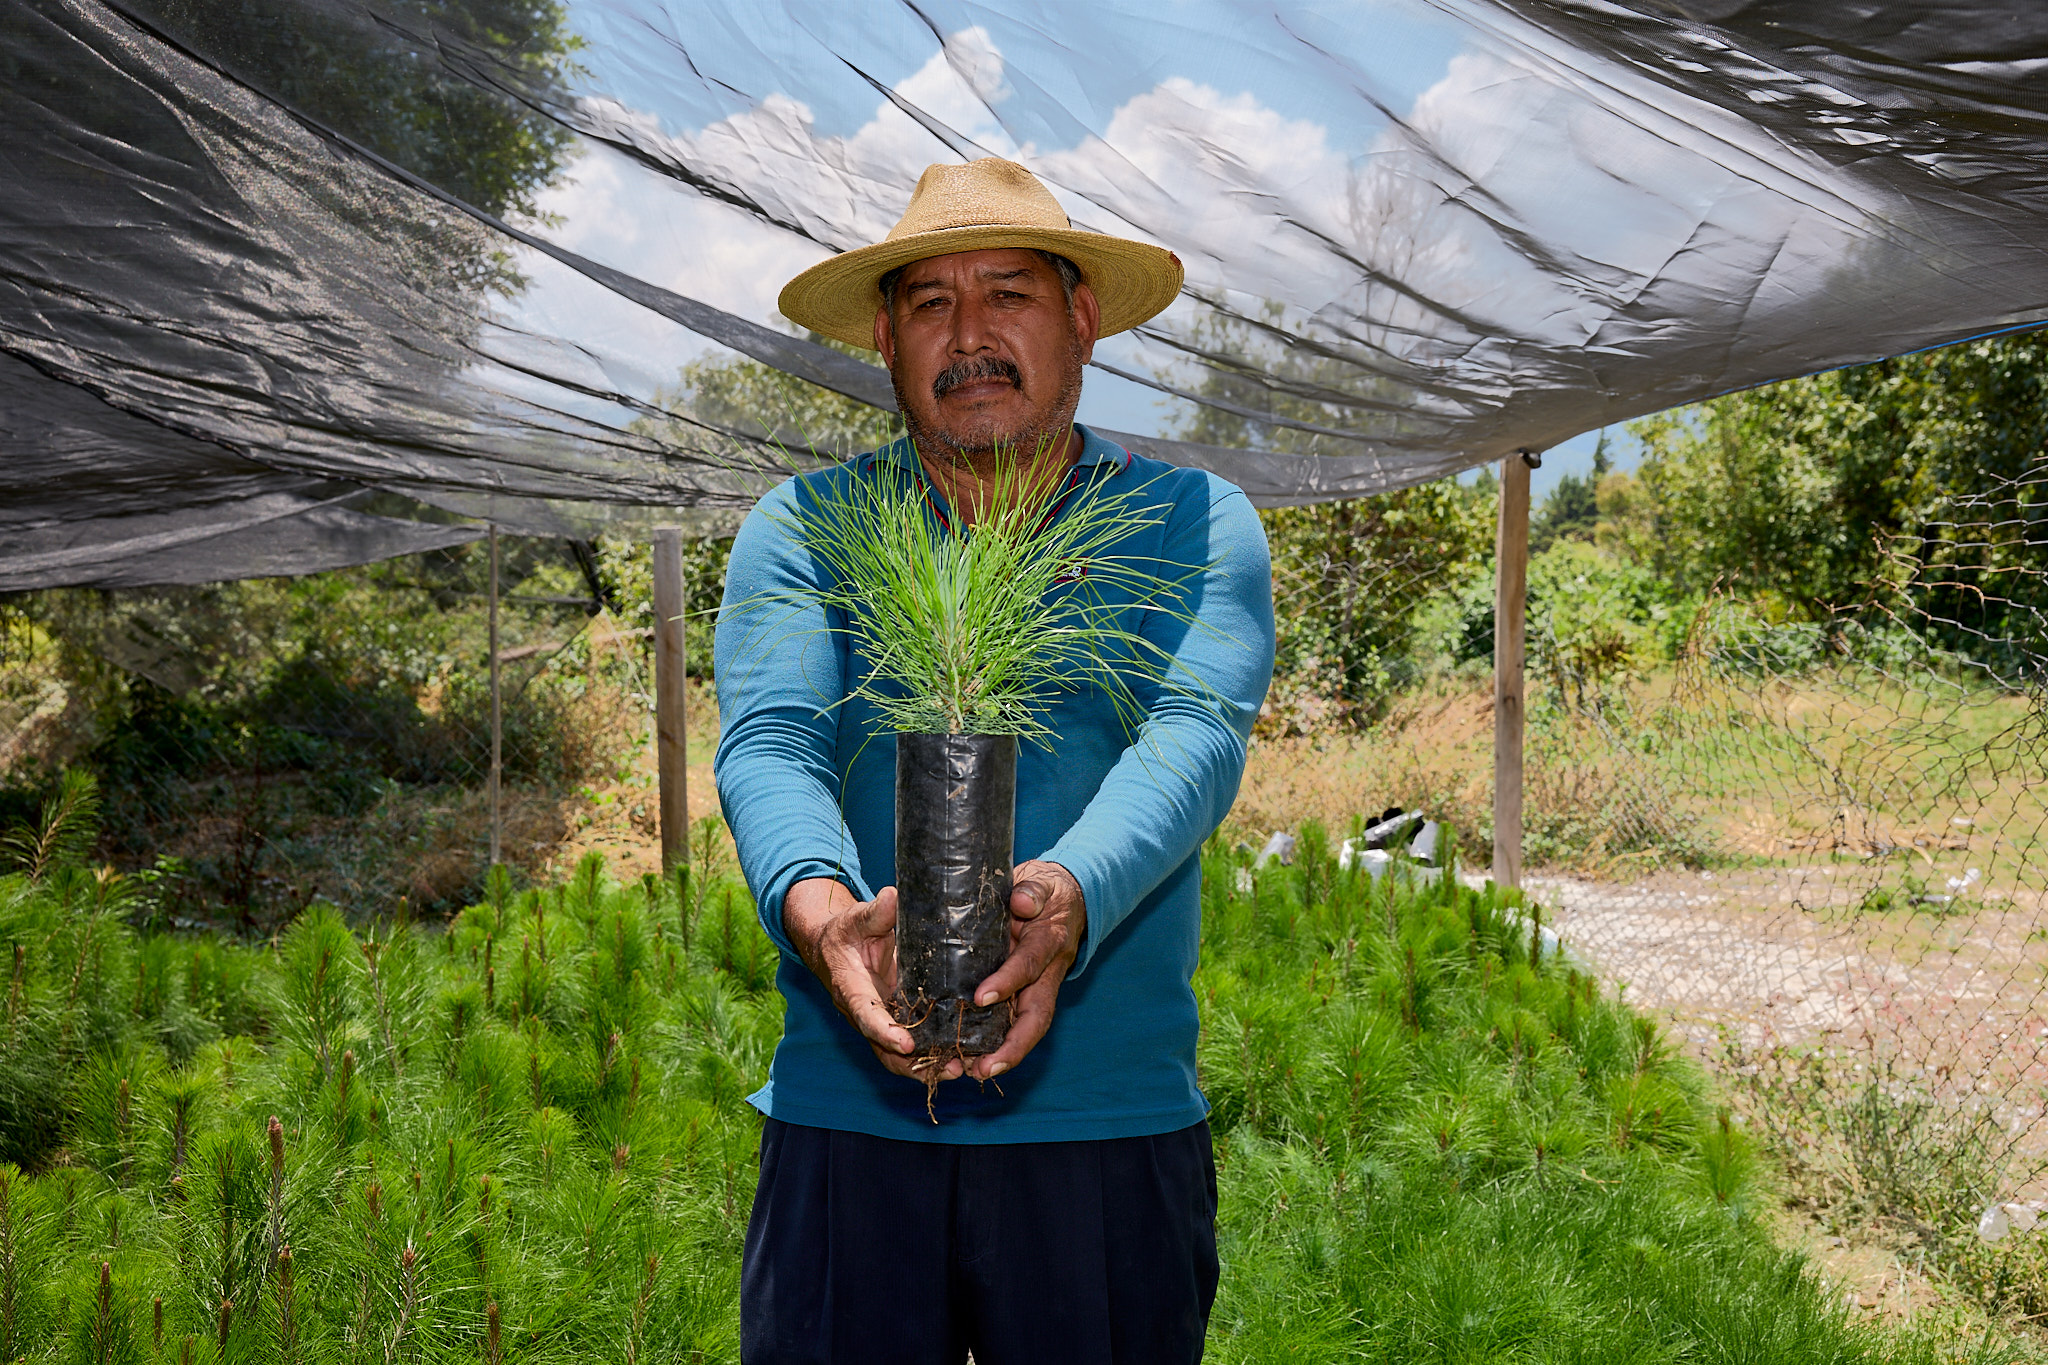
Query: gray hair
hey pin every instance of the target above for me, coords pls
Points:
(1069, 273)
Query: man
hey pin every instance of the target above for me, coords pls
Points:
(1062, 1206)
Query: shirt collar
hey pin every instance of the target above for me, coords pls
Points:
(1095, 450)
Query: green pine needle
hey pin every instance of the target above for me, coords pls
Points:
(970, 632)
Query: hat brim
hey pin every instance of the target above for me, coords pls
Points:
(838, 298)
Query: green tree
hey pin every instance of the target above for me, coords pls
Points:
(384, 85)
(733, 396)
(1831, 492)
(1351, 579)
(747, 396)
(1572, 511)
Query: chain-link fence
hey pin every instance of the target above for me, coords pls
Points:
(1827, 865)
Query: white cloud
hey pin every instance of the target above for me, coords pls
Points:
(1595, 212)
(850, 189)
(1234, 188)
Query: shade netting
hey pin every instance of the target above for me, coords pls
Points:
(289, 284)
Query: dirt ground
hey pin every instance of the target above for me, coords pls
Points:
(621, 817)
(1790, 956)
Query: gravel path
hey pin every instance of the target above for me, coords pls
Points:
(1785, 956)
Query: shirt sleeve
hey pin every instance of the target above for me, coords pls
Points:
(1176, 781)
(781, 668)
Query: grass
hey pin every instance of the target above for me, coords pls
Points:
(523, 1137)
(1696, 768)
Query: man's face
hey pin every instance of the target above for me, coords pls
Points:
(984, 349)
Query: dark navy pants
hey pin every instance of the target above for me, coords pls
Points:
(915, 1253)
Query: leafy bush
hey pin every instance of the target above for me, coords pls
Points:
(1352, 582)
(320, 736)
(1870, 1146)
(1592, 619)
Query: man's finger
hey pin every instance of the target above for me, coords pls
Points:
(878, 916)
(1028, 899)
(876, 1024)
(1034, 1017)
(1025, 964)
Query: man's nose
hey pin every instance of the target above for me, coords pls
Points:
(973, 333)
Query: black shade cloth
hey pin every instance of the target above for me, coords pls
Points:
(256, 260)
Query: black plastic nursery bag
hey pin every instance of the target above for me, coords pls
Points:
(956, 813)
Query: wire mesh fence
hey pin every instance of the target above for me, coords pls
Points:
(263, 744)
(1823, 854)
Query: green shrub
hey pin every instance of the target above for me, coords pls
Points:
(531, 1128)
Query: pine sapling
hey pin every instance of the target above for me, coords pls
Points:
(408, 1301)
(483, 1233)
(640, 1304)
(498, 886)
(343, 1080)
(373, 1206)
(274, 1238)
(224, 1179)
(103, 1317)
(682, 906)
(371, 952)
(10, 1259)
(287, 1310)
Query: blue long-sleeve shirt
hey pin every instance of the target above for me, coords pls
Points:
(807, 780)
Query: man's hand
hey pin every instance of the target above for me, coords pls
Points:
(1047, 918)
(851, 946)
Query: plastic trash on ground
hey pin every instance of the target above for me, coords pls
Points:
(1370, 852)
(2002, 1220)
(1280, 846)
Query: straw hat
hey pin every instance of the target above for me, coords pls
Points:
(983, 204)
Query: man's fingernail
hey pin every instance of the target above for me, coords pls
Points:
(998, 1069)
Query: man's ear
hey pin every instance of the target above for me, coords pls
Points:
(885, 337)
(1087, 320)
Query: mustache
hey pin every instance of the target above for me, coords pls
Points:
(975, 371)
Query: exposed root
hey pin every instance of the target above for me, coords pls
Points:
(930, 1065)
(900, 1007)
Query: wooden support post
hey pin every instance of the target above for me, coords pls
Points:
(671, 749)
(1510, 593)
(497, 721)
